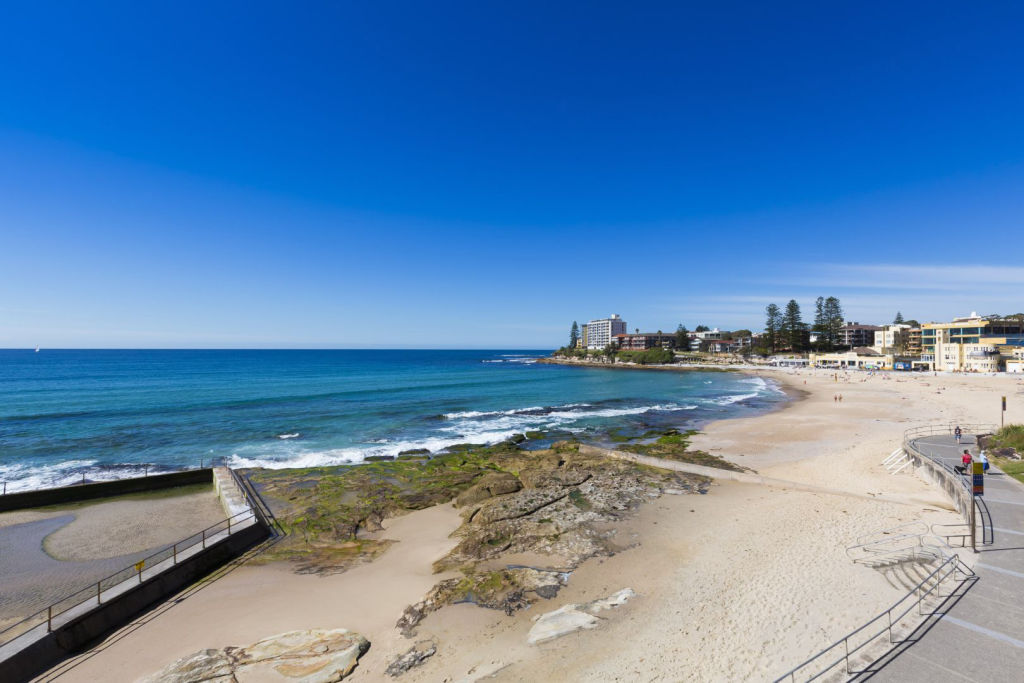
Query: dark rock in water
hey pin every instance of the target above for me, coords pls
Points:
(516, 439)
(534, 435)
(415, 451)
(378, 458)
(415, 656)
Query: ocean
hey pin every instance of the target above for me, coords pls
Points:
(66, 415)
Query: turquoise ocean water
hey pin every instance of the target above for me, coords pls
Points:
(104, 414)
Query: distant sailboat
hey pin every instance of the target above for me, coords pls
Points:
(37, 349)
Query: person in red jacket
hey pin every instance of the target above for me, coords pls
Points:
(966, 460)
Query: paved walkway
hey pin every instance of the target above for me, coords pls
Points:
(980, 637)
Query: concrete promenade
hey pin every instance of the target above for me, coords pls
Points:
(980, 635)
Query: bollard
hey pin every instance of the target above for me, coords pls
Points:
(99, 593)
(49, 618)
(175, 554)
(204, 539)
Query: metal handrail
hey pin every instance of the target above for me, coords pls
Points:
(916, 525)
(257, 504)
(949, 566)
(964, 489)
(95, 591)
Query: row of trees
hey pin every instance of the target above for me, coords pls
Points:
(786, 329)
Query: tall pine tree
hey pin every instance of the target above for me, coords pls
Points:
(820, 328)
(772, 327)
(898, 320)
(833, 315)
(793, 327)
(574, 335)
(682, 338)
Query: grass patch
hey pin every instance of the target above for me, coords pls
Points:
(1014, 468)
(1010, 436)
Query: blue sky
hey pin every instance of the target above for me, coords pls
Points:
(336, 174)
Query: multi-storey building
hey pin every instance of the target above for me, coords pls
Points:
(967, 330)
(601, 333)
(856, 335)
(646, 340)
(892, 338)
(913, 341)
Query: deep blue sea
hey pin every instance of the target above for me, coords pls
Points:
(104, 414)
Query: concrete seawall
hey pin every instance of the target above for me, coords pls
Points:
(44, 645)
(102, 489)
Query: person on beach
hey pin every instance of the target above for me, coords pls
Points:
(958, 434)
(984, 461)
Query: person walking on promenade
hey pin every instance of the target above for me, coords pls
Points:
(966, 460)
(984, 461)
(958, 433)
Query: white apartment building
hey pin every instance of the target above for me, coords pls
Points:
(892, 338)
(601, 333)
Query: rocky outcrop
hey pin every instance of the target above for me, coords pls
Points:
(573, 617)
(412, 658)
(313, 656)
(489, 485)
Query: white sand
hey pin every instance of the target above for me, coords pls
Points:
(737, 585)
(251, 603)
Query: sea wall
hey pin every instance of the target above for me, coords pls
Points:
(69, 638)
(103, 489)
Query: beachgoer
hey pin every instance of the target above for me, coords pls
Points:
(958, 433)
(984, 461)
(840, 398)
(966, 460)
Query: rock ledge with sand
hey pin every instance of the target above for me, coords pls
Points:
(311, 656)
(573, 617)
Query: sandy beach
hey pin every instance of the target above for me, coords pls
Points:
(738, 584)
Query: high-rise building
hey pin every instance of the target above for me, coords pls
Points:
(601, 333)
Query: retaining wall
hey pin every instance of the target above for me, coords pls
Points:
(954, 489)
(86, 629)
(103, 489)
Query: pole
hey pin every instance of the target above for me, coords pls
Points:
(974, 505)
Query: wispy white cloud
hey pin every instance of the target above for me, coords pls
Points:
(904, 277)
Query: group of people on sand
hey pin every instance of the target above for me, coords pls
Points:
(838, 398)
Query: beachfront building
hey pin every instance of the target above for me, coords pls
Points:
(860, 358)
(641, 341)
(601, 333)
(971, 344)
(914, 341)
(893, 338)
(857, 335)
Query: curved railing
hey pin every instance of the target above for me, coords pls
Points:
(57, 613)
(911, 538)
(889, 621)
(961, 485)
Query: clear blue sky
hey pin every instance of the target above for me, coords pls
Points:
(391, 174)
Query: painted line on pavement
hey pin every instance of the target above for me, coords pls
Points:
(1003, 502)
(1019, 575)
(1008, 531)
(985, 631)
